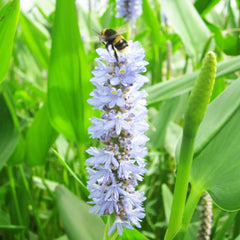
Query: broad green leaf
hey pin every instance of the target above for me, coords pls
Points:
(187, 23)
(77, 221)
(9, 128)
(40, 137)
(68, 85)
(183, 84)
(216, 167)
(35, 39)
(8, 23)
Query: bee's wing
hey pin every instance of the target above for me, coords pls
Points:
(123, 29)
(94, 39)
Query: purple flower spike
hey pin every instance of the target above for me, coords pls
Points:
(115, 170)
(129, 9)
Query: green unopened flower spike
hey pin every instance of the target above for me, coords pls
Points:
(196, 108)
(200, 95)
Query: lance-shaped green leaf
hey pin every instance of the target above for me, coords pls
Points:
(217, 168)
(8, 23)
(40, 137)
(68, 74)
(75, 216)
(35, 39)
(187, 23)
(183, 84)
(9, 128)
(152, 21)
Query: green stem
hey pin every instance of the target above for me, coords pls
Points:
(14, 194)
(35, 209)
(114, 235)
(181, 186)
(81, 154)
(83, 187)
(190, 207)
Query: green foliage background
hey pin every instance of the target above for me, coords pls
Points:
(46, 58)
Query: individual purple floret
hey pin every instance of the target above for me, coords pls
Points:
(115, 169)
(129, 9)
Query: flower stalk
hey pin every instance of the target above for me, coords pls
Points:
(195, 111)
(118, 166)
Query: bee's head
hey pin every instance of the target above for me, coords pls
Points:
(103, 35)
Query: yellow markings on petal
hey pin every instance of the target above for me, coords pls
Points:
(118, 116)
(122, 71)
(114, 91)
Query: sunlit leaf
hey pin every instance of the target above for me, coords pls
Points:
(8, 22)
(187, 23)
(75, 216)
(68, 85)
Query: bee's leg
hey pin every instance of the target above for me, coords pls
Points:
(115, 54)
(107, 45)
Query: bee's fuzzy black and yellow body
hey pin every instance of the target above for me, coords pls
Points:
(110, 37)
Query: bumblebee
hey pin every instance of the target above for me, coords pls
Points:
(110, 37)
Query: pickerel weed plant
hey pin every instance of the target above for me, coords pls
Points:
(49, 164)
(119, 165)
